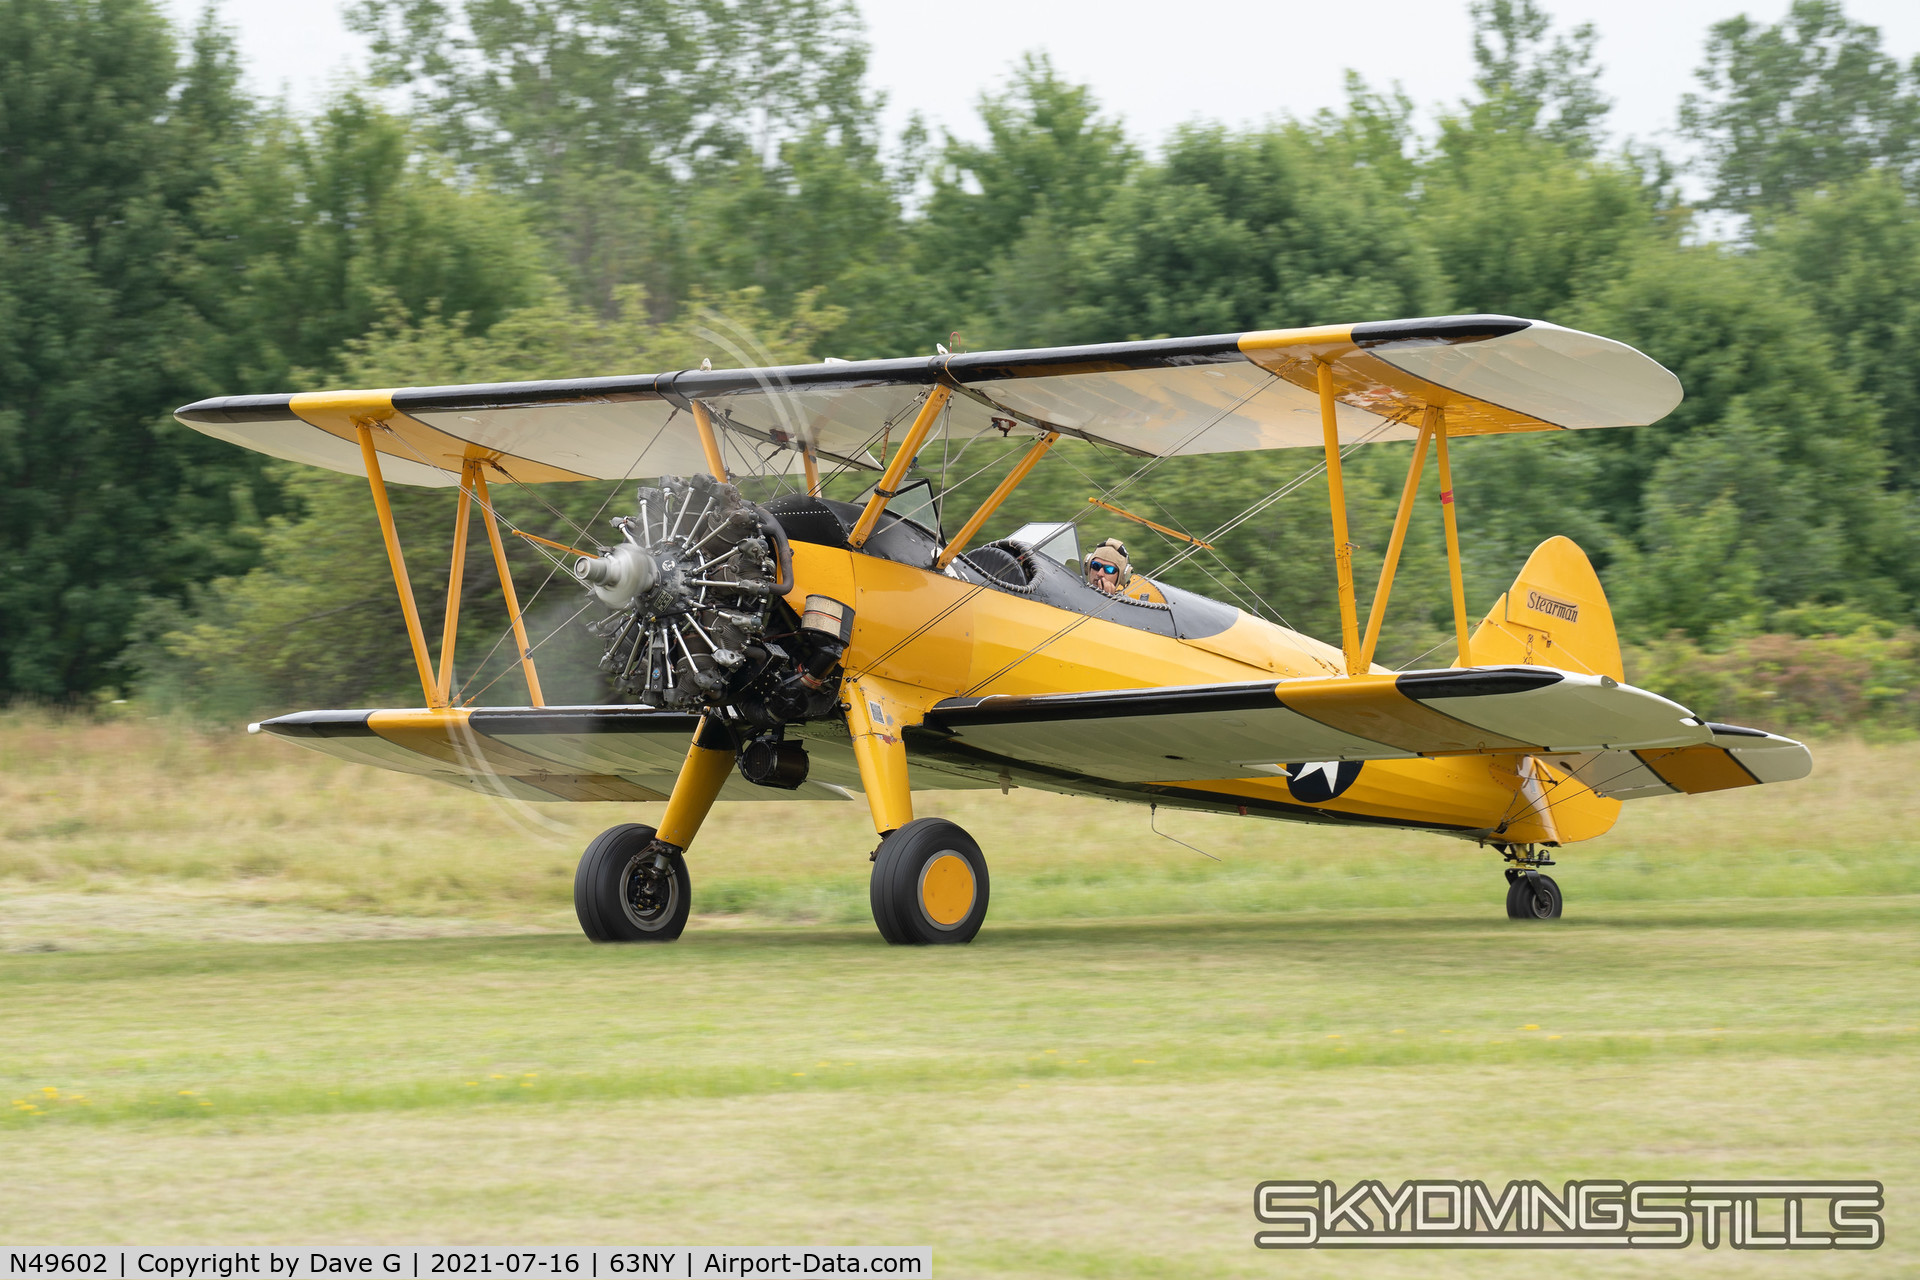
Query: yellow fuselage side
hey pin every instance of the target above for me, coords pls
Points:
(928, 636)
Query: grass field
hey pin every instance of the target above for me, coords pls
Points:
(276, 999)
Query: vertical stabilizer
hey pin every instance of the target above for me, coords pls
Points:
(1554, 615)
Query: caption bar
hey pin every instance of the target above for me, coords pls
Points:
(431, 1262)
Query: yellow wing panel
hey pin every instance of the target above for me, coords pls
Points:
(341, 414)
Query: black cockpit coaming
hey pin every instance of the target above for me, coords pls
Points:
(1005, 566)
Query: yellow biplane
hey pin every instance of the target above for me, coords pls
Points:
(804, 648)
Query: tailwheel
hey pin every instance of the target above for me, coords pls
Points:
(929, 884)
(1532, 895)
(631, 887)
(1531, 892)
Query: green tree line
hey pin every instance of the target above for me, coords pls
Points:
(595, 186)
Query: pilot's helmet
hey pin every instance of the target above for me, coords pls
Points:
(1107, 565)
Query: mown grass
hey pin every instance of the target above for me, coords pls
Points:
(1059, 1099)
(428, 1051)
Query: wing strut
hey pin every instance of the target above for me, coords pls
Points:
(371, 457)
(534, 696)
(1337, 501)
(994, 499)
(451, 626)
(1377, 612)
(897, 469)
(1453, 536)
(709, 443)
(812, 465)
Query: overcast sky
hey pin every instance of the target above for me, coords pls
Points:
(1158, 64)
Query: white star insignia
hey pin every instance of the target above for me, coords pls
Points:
(1327, 769)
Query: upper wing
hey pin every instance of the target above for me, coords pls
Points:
(1204, 732)
(1218, 394)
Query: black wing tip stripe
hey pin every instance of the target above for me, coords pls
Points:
(230, 410)
(1449, 329)
(1735, 731)
(1479, 683)
(953, 713)
(320, 724)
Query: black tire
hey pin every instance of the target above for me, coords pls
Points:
(630, 890)
(919, 897)
(1516, 891)
(1533, 896)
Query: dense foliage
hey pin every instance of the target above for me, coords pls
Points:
(585, 186)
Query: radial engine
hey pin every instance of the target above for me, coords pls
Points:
(697, 585)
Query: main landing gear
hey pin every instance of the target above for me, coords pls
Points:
(929, 884)
(631, 887)
(1531, 892)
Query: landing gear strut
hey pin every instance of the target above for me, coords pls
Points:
(1531, 892)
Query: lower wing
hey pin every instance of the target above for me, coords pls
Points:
(543, 753)
(1586, 724)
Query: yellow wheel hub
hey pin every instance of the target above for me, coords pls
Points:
(947, 889)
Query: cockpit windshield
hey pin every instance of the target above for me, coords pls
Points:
(1056, 539)
(914, 501)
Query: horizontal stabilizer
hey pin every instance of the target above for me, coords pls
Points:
(1733, 757)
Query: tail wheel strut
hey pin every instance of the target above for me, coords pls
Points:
(1532, 894)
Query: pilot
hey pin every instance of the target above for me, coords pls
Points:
(1108, 568)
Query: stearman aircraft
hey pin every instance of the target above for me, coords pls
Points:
(806, 648)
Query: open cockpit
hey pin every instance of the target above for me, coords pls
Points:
(1038, 561)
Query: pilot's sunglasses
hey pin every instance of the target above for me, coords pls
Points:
(1108, 568)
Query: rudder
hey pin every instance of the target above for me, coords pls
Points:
(1554, 615)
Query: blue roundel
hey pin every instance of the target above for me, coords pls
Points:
(1318, 782)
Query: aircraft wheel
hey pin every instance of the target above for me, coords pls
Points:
(1533, 896)
(929, 885)
(629, 889)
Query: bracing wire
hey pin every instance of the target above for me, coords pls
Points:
(1182, 556)
(533, 647)
(973, 592)
(555, 563)
(1260, 601)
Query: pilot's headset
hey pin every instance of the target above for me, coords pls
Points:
(1110, 557)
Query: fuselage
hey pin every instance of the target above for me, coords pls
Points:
(925, 636)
